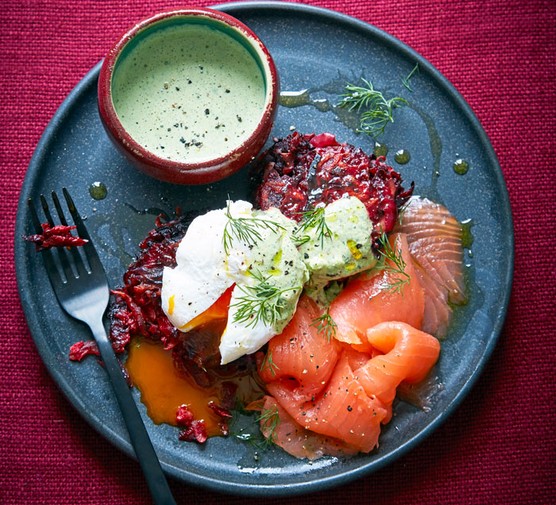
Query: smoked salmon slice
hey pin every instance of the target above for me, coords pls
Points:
(434, 238)
(335, 394)
(312, 379)
(348, 401)
(409, 355)
(301, 357)
(280, 428)
(372, 297)
(342, 410)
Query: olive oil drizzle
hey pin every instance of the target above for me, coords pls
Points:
(435, 143)
(461, 167)
(98, 190)
(402, 156)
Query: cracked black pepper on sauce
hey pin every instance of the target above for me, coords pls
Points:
(189, 93)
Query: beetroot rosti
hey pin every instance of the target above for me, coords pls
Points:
(302, 170)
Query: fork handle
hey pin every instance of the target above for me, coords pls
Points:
(144, 450)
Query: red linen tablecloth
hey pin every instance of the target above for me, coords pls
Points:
(500, 444)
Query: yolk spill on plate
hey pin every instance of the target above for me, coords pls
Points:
(163, 389)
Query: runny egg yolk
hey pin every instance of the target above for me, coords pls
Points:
(218, 310)
(163, 389)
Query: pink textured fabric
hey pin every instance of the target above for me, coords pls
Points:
(500, 445)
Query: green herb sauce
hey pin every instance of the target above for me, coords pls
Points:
(189, 93)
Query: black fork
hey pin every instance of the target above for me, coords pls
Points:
(81, 286)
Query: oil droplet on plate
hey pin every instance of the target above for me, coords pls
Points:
(467, 234)
(380, 149)
(295, 98)
(98, 190)
(461, 167)
(402, 156)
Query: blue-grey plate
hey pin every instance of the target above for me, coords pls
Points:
(318, 51)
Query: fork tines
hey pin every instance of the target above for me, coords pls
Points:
(68, 259)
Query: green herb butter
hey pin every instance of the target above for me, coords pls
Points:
(338, 247)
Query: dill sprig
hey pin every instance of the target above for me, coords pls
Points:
(401, 211)
(405, 80)
(262, 301)
(393, 262)
(269, 421)
(325, 325)
(268, 362)
(313, 219)
(246, 229)
(376, 111)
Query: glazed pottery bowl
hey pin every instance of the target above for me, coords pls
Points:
(189, 96)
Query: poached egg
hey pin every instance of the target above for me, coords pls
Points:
(253, 253)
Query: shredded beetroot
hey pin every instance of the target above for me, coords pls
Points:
(300, 171)
(224, 414)
(184, 416)
(55, 236)
(136, 309)
(219, 411)
(194, 430)
(228, 395)
(80, 350)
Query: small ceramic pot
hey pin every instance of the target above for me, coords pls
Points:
(189, 96)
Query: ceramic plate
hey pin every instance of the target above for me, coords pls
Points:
(317, 51)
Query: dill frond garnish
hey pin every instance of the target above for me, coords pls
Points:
(312, 219)
(269, 421)
(325, 325)
(262, 301)
(268, 362)
(401, 211)
(376, 111)
(246, 229)
(405, 80)
(393, 262)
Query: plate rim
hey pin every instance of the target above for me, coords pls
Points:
(123, 443)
